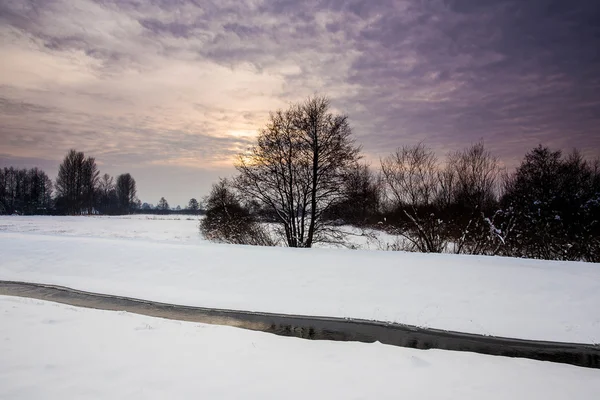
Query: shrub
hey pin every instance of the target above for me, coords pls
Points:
(228, 221)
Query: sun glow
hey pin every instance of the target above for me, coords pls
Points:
(242, 133)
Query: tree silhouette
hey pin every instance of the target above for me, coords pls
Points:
(193, 205)
(126, 192)
(163, 205)
(296, 168)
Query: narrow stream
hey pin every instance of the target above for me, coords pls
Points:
(319, 328)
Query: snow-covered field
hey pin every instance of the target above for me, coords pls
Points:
(52, 351)
(162, 260)
(163, 228)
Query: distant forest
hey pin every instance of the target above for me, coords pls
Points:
(303, 181)
(79, 189)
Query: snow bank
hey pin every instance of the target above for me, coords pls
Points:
(487, 295)
(53, 351)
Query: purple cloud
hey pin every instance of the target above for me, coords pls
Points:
(184, 83)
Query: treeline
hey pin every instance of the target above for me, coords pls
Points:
(304, 176)
(27, 191)
(78, 189)
(548, 208)
(81, 190)
(193, 208)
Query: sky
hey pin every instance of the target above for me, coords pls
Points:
(171, 90)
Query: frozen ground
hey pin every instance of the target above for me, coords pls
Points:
(163, 228)
(487, 295)
(52, 351)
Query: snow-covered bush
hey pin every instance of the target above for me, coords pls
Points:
(228, 221)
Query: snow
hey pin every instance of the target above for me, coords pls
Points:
(171, 228)
(162, 228)
(52, 351)
(488, 295)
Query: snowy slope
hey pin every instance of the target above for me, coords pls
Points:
(488, 295)
(52, 351)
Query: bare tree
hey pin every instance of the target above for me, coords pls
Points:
(126, 192)
(297, 167)
(3, 191)
(106, 185)
(163, 205)
(67, 182)
(362, 196)
(477, 173)
(24, 191)
(89, 185)
(193, 205)
(412, 181)
(38, 195)
(471, 182)
(76, 182)
(107, 195)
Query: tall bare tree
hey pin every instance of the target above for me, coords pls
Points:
(3, 191)
(297, 167)
(89, 186)
(68, 182)
(76, 182)
(126, 192)
(107, 195)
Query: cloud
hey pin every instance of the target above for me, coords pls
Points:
(183, 82)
